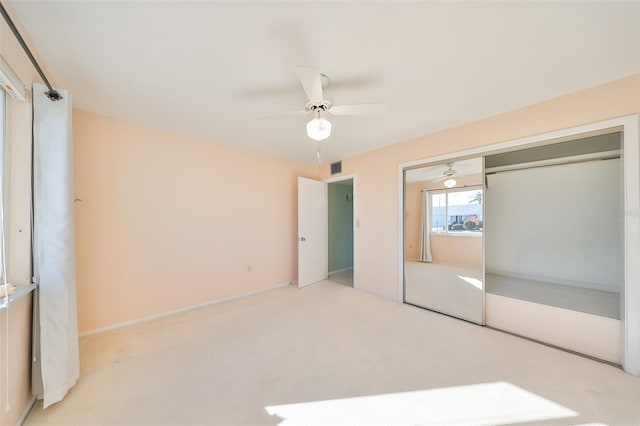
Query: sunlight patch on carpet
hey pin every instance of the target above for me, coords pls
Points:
(496, 403)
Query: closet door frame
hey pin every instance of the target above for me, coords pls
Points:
(628, 125)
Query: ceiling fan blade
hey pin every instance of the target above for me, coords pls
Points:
(361, 109)
(311, 81)
(449, 173)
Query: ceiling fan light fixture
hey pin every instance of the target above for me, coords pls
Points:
(319, 128)
(450, 182)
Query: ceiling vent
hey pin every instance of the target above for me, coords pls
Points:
(336, 167)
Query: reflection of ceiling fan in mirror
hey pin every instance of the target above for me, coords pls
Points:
(469, 170)
(318, 106)
(448, 176)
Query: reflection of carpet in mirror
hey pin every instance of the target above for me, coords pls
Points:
(590, 301)
(451, 289)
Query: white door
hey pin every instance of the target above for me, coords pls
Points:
(312, 231)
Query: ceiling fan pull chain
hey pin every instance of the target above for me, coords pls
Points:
(318, 155)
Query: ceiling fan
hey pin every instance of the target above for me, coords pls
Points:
(318, 106)
(448, 176)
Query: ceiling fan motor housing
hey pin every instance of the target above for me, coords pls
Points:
(323, 106)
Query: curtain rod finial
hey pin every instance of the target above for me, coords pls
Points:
(53, 95)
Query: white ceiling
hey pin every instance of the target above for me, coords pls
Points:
(432, 173)
(208, 69)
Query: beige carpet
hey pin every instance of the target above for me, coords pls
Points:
(329, 354)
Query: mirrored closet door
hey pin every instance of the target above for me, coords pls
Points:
(444, 238)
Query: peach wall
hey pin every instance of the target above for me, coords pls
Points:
(167, 221)
(412, 218)
(376, 239)
(457, 249)
(19, 341)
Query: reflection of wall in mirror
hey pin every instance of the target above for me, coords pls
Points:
(460, 250)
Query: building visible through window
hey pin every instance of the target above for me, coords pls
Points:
(457, 211)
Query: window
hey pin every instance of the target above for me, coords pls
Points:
(3, 197)
(457, 211)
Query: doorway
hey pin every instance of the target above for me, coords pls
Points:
(340, 201)
(313, 231)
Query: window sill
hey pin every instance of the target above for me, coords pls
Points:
(21, 291)
(458, 234)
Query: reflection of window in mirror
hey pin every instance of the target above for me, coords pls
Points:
(443, 238)
(457, 211)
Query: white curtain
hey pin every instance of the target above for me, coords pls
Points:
(56, 362)
(425, 228)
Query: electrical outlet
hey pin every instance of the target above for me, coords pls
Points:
(249, 268)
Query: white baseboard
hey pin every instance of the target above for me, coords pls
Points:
(25, 412)
(178, 311)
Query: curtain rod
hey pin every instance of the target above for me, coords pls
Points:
(52, 93)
